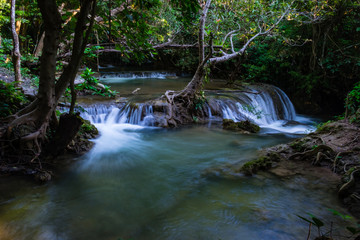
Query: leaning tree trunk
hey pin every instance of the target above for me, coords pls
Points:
(181, 105)
(16, 56)
(39, 113)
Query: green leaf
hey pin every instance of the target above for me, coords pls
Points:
(336, 213)
(306, 220)
(317, 222)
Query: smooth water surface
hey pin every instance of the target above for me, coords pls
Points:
(146, 183)
(142, 182)
(147, 85)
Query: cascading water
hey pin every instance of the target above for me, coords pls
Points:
(265, 105)
(126, 76)
(137, 114)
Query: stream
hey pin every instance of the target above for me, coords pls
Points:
(144, 182)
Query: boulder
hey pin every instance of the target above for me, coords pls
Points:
(243, 126)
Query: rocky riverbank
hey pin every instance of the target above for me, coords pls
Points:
(333, 151)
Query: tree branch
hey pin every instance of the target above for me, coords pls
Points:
(234, 54)
(202, 31)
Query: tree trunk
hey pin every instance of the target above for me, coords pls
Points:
(202, 31)
(46, 93)
(79, 45)
(196, 83)
(39, 112)
(16, 56)
(69, 126)
(40, 45)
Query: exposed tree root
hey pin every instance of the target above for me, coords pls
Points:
(311, 153)
(320, 156)
(343, 191)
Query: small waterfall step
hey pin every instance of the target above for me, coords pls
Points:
(265, 105)
(136, 75)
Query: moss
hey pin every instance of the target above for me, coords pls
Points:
(229, 124)
(329, 127)
(324, 127)
(262, 163)
(88, 129)
(133, 105)
(299, 145)
(248, 126)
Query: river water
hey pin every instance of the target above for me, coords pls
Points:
(143, 182)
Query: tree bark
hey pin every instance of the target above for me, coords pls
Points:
(16, 56)
(40, 45)
(46, 93)
(39, 112)
(79, 45)
(202, 31)
(67, 129)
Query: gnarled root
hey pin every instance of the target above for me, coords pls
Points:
(179, 107)
(320, 156)
(311, 153)
(344, 189)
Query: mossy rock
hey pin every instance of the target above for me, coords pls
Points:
(88, 129)
(262, 163)
(247, 126)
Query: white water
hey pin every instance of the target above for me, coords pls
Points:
(257, 106)
(120, 77)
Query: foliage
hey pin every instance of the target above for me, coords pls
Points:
(91, 84)
(11, 99)
(352, 104)
(253, 110)
(314, 56)
(90, 54)
(4, 9)
(89, 128)
(87, 75)
(315, 221)
(199, 101)
(5, 50)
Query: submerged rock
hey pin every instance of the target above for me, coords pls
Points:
(243, 126)
(262, 163)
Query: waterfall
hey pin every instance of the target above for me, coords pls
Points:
(125, 76)
(137, 114)
(265, 105)
(260, 104)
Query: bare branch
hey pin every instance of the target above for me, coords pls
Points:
(234, 54)
(202, 31)
(231, 41)
(228, 34)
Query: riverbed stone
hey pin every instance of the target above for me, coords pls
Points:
(243, 126)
